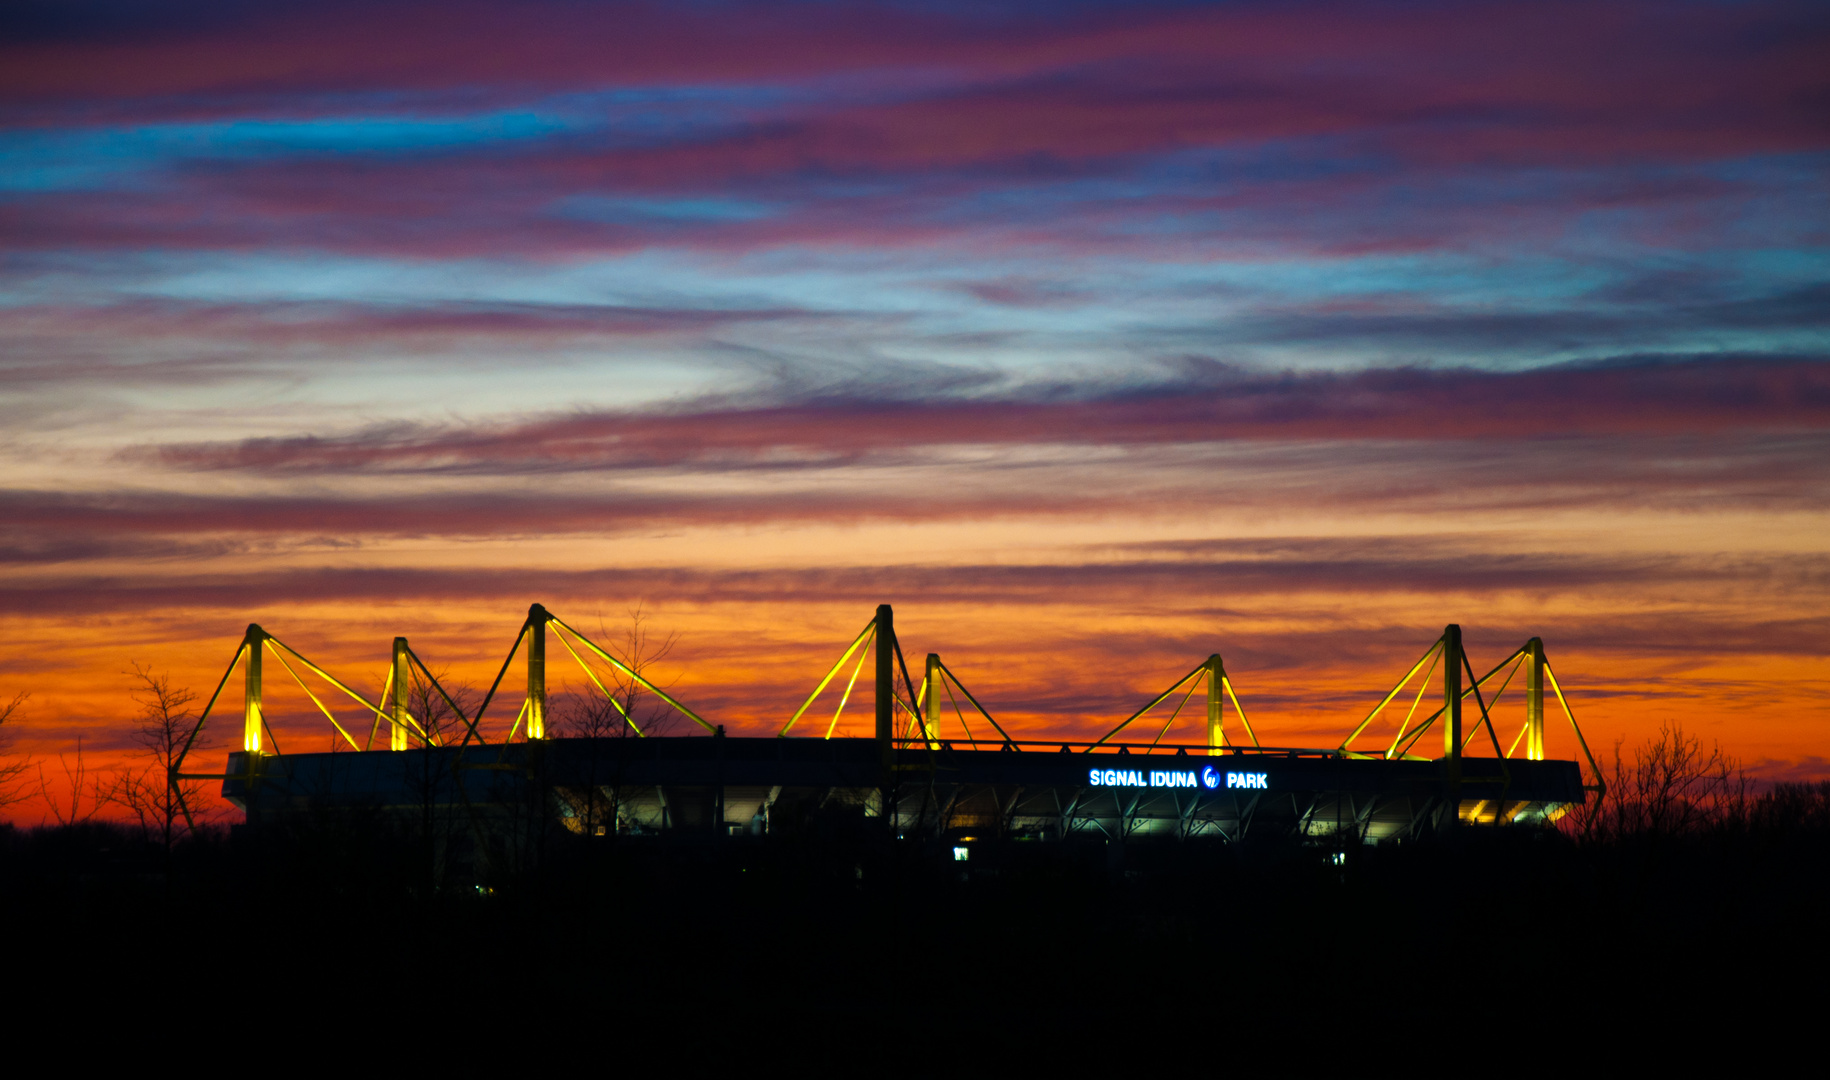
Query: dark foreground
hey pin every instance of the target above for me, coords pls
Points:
(837, 941)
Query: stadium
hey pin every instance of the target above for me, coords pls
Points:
(924, 774)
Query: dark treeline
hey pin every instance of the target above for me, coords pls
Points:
(1683, 893)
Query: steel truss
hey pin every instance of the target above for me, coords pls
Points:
(261, 756)
(935, 774)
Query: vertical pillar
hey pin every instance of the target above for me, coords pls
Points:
(886, 676)
(886, 697)
(1534, 699)
(1451, 721)
(536, 671)
(1216, 735)
(931, 707)
(256, 641)
(719, 828)
(400, 695)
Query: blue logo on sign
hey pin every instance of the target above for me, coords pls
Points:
(1209, 778)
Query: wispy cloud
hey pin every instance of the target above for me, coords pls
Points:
(768, 125)
(1204, 402)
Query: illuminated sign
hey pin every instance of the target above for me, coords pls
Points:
(1212, 778)
(1209, 778)
(1156, 778)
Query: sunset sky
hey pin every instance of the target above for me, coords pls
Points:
(1094, 337)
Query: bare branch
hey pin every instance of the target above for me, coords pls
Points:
(82, 785)
(13, 773)
(640, 649)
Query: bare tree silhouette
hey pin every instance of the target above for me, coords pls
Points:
(1795, 807)
(429, 772)
(590, 715)
(623, 708)
(12, 773)
(1674, 786)
(164, 806)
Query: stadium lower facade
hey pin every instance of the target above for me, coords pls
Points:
(749, 786)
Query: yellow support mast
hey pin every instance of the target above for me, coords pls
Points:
(1451, 728)
(255, 642)
(1534, 699)
(1216, 732)
(930, 689)
(537, 618)
(400, 684)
